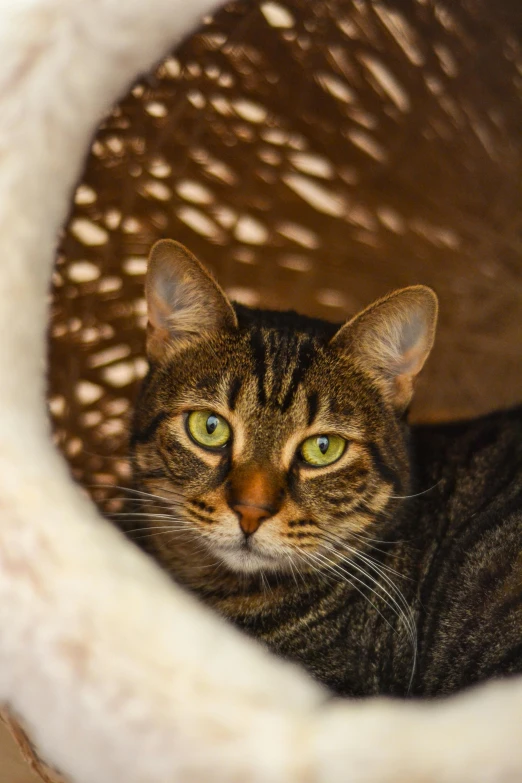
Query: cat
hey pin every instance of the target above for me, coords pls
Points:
(277, 478)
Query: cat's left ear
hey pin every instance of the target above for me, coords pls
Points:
(184, 302)
(392, 339)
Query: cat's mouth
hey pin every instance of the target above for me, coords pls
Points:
(245, 556)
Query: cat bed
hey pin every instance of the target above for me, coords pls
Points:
(315, 156)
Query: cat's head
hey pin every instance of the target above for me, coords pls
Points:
(273, 438)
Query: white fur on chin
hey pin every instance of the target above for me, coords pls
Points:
(248, 561)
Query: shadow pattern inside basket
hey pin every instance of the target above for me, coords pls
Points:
(315, 156)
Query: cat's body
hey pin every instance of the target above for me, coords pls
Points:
(395, 567)
(470, 530)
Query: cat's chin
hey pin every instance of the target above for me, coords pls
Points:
(246, 561)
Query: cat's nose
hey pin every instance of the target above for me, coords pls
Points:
(254, 494)
(250, 517)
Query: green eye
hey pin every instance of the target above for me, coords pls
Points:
(322, 449)
(208, 429)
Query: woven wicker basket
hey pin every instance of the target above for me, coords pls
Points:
(314, 155)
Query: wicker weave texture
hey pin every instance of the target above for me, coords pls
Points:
(315, 155)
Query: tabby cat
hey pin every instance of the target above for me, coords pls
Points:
(278, 480)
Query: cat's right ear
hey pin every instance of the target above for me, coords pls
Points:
(184, 302)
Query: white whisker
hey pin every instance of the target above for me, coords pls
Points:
(146, 514)
(140, 493)
(417, 494)
(170, 531)
(348, 578)
(150, 529)
(337, 540)
(398, 603)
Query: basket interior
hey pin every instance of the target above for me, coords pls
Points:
(314, 155)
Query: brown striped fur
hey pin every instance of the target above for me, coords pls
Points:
(396, 569)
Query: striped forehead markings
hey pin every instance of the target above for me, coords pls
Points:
(233, 392)
(305, 352)
(312, 401)
(259, 353)
(287, 357)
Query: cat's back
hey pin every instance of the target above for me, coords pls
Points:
(475, 463)
(470, 624)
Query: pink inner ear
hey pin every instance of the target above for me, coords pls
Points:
(158, 310)
(392, 339)
(184, 302)
(410, 362)
(413, 348)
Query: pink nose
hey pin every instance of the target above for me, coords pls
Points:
(250, 517)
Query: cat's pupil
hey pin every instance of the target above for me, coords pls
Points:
(323, 442)
(212, 423)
